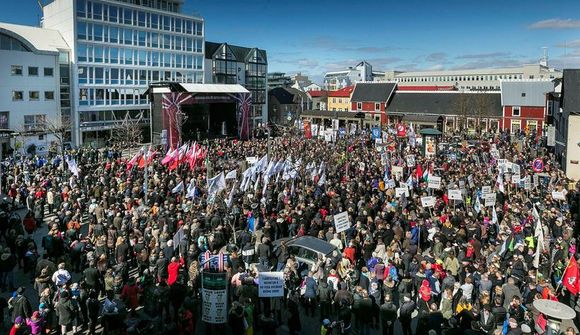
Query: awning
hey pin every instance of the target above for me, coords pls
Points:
(214, 88)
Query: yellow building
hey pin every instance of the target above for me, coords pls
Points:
(340, 100)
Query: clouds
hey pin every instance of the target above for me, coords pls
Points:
(484, 55)
(436, 57)
(556, 24)
(301, 62)
(575, 44)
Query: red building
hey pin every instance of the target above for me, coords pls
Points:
(524, 104)
(372, 99)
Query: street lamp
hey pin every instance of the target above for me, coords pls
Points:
(555, 312)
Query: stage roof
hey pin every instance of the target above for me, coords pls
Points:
(198, 88)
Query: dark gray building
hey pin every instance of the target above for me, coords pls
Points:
(566, 120)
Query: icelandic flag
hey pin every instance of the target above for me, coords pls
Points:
(178, 188)
(477, 205)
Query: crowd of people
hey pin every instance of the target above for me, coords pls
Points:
(110, 261)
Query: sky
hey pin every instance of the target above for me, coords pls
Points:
(316, 36)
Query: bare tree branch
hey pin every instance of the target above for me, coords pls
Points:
(128, 133)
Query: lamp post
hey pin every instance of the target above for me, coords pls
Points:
(555, 312)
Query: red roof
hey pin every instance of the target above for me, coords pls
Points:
(426, 88)
(316, 94)
(342, 93)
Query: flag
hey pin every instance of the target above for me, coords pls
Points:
(477, 205)
(412, 137)
(178, 188)
(134, 160)
(410, 181)
(72, 166)
(539, 233)
(570, 277)
(419, 171)
(230, 198)
(499, 183)
(215, 185)
(232, 175)
(262, 164)
(494, 216)
(168, 156)
(191, 189)
(322, 180)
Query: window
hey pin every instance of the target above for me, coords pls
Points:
(358, 105)
(516, 111)
(532, 126)
(33, 71)
(17, 95)
(32, 122)
(549, 109)
(48, 95)
(516, 125)
(82, 31)
(48, 72)
(523, 94)
(33, 95)
(4, 120)
(16, 70)
(377, 107)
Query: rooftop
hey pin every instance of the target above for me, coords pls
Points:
(37, 39)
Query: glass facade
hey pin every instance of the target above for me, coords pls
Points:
(122, 48)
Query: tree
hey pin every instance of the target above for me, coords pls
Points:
(463, 109)
(59, 127)
(481, 103)
(128, 133)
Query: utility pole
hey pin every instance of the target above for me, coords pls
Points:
(146, 179)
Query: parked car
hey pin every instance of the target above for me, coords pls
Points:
(307, 249)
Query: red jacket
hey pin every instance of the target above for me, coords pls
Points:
(350, 253)
(173, 271)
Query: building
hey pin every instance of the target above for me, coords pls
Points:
(286, 104)
(567, 124)
(476, 79)
(278, 79)
(447, 110)
(372, 99)
(319, 99)
(524, 104)
(231, 64)
(119, 47)
(363, 71)
(34, 86)
(300, 79)
(339, 100)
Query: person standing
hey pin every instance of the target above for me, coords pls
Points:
(388, 312)
(405, 314)
(21, 305)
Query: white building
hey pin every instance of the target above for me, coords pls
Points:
(34, 85)
(476, 79)
(118, 47)
(362, 72)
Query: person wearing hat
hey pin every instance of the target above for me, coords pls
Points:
(19, 327)
(36, 323)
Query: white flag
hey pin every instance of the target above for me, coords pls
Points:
(191, 190)
(493, 215)
(72, 166)
(232, 175)
(539, 233)
(178, 188)
(215, 185)
(230, 198)
(477, 205)
(322, 180)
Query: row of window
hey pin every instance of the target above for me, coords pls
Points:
(33, 122)
(116, 76)
(137, 18)
(111, 96)
(32, 95)
(377, 106)
(228, 67)
(112, 115)
(114, 35)
(18, 70)
(126, 56)
(453, 79)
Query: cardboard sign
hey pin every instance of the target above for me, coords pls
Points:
(470, 181)
(271, 284)
(397, 172)
(428, 201)
(527, 183)
(410, 160)
(486, 189)
(489, 199)
(251, 160)
(515, 168)
(558, 195)
(434, 182)
(536, 180)
(341, 222)
(390, 183)
(400, 191)
(461, 184)
(214, 296)
(454, 194)
(515, 178)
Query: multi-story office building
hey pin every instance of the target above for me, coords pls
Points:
(118, 47)
(278, 79)
(34, 86)
(231, 64)
(477, 79)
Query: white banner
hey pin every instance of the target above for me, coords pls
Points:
(271, 284)
(558, 195)
(551, 134)
(428, 201)
(341, 222)
(400, 191)
(410, 161)
(397, 172)
(454, 194)
(214, 295)
(434, 182)
(251, 160)
(489, 199)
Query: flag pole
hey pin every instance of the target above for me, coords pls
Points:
(564, 273)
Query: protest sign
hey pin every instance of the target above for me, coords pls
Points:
(410, 160)
(428, 201)
(401, 190)
(341, 222)
(434, 182)
(454, 194)
(558, 195)
(271, 284)
(486, 189)
(489, 199)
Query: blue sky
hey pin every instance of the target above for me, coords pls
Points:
(320, 35)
